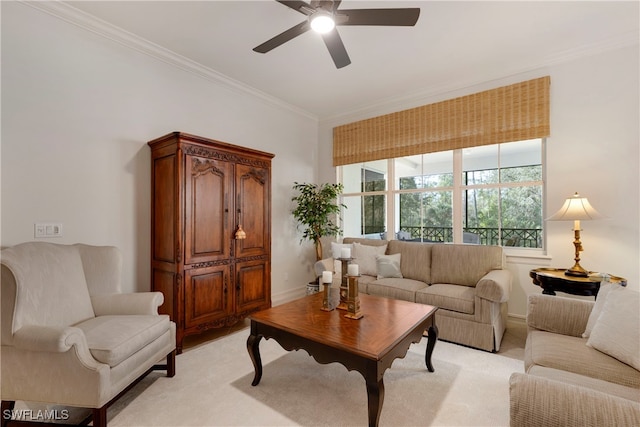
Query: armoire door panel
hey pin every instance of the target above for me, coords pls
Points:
(253, 198)
(252, 278)
(207, 188)
(206, 295)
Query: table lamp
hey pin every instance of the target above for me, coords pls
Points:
(575, 209)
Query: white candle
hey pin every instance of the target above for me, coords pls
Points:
(352, 269)
(327, 277)
(345, 253)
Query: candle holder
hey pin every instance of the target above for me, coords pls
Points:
(353, 299)
(344, 289)
(327, 304)
(327, 279)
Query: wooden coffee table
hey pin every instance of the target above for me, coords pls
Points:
(368, 345)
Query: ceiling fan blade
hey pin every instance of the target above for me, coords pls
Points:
(297, 5)
(283, 37)
(327, 5)
(336, 48)
(394, 17)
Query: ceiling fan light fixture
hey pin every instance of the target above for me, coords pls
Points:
(322, 22)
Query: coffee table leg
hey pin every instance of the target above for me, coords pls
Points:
(431, 343)
(254, 352)
(375, 397)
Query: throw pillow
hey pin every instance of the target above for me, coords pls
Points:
(366, 257)
(605, 288)
(388, 266)
(337, 247)
(617, 330)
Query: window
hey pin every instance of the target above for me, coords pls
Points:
(485, 195)
(365, 186)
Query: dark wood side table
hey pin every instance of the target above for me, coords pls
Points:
(554, 279)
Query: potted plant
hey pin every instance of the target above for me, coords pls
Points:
(317, 210)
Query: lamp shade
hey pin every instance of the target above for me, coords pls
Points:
(576, 208)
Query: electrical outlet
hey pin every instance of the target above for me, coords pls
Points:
(46, 230)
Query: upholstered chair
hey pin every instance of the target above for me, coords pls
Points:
(70, 337)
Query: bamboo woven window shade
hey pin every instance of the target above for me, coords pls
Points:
(510, 113)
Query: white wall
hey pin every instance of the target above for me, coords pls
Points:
(77, 111)
(593, 149)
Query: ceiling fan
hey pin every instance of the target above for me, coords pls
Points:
(324, 16)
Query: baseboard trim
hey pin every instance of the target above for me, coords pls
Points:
(516, 319)
(288, 295)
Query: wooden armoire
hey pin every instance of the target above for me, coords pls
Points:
(204, 195)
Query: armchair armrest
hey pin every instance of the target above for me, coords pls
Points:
(556, 314)
(536, 401)
(323, 265)
(495, 286)
(122, 304)
(48, 338)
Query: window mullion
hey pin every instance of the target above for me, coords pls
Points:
(457, 196)
(391, 213)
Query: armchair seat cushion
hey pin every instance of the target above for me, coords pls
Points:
(572, 354)
(448, 297)
(112, 339)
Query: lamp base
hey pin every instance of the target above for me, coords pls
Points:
(577, 271)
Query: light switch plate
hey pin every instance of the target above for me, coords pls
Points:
(46, 230)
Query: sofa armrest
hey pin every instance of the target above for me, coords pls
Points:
(53, 339)
(323, 265)
(560, 315)
(536, 401)
(495, 286)
(123, 304)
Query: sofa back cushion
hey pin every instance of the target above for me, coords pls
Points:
(415, 261)
(462, 264)
(366, 257)
(50, 285)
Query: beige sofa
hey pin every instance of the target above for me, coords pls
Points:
(570, 383)
(468, 283)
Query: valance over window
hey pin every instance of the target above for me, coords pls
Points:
(510, 113)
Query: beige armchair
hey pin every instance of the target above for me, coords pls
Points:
(69, 335)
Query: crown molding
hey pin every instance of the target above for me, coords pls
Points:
(79, 18)
(444, 91)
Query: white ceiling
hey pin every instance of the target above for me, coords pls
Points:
(453, 45)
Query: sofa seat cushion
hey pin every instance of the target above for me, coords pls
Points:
(112, 339)
(404, 289)
(363, 283)
(450, 297)
(588, 382)
(572, 354)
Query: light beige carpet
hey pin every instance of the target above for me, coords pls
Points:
(212, 387)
